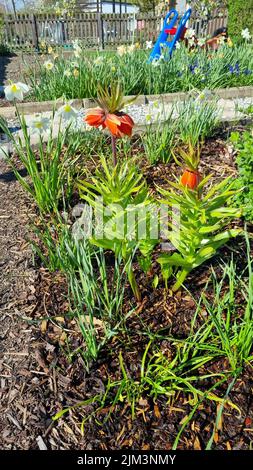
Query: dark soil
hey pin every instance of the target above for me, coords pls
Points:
(37, 377)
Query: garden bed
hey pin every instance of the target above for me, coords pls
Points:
(40, 375)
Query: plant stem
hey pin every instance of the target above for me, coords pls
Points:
(133, 284)
(182, 276)
(114, 151)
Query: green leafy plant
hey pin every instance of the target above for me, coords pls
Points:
(121, 191)
(244, 160)
(201, 223)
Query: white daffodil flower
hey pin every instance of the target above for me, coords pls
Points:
(121, 50)
(221, 40)
(149, 44)
(189, 33)
(39, 124)
(77, 52)
(76, 44)
(67, 73)
(75, 65)
(156, 62)
(204, 95)
(49, 65)
(246, 34)
(131, 48)
(67, 112)
(191, 42)
(98, 60)
(178, 45)
(15, 91)
(201, 42)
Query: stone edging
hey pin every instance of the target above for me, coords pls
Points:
(9, 112)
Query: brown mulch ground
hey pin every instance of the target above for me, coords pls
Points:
(37, 377)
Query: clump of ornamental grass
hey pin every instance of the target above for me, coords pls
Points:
(197, 119)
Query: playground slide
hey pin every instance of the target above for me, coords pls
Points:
(170, 30)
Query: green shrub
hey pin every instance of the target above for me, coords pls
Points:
(240, 16)
(244, 143)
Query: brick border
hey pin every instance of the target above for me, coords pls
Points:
(9, 112)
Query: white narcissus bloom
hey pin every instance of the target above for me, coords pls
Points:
(67, 73)
(121, 50)
(221, 40)
(15, 91)
(49, 65)
(131, 48)
(201, 42)
(191, 42)
(76, 44)
(178, 45)
(39, 124)
(204, 95)
(77, 51)
(246, 34)
(149, 44)
(190, 33)
(75, 65)
(67, 112)
(98, 60)
(156, 62)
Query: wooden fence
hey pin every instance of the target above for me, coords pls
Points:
(95, 30)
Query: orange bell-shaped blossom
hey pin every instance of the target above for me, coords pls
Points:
(119, 124)
(109, 115)
(190, 179)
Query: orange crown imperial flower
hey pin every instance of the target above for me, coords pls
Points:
(190, 179)
(119, 124)
(108, 114)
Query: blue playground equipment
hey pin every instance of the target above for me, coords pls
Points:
(170, 30)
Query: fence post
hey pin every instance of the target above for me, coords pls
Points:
(100, 31)
(35, 33)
